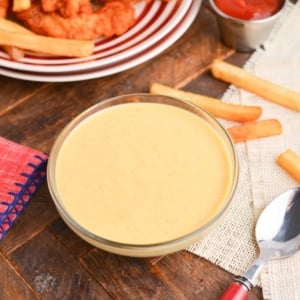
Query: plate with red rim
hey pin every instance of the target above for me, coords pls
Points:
(154, 20)
(74, 72)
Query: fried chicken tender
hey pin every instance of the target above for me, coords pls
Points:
(114, 18)
(67, 8)
(131, 1)
(3, 8)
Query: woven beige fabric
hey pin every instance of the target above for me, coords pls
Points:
(232, 245)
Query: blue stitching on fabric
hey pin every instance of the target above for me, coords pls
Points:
(23, 197)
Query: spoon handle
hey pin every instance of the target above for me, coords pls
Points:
(236, 291)
(240, 287)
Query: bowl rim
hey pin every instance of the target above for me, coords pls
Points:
(152, 249)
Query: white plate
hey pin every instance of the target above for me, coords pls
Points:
(154, 21)
(100, 71)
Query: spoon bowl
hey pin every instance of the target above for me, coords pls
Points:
(278, 235)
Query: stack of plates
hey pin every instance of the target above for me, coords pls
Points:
(159, 24)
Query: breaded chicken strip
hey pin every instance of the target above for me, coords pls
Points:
(67, 8)
(114, 18)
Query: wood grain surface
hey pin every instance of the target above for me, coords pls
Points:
(40, 258)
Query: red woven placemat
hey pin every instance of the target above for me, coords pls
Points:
(22, 171)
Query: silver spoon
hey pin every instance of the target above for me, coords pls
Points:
(278, 235)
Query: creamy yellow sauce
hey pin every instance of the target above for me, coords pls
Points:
(143, 173)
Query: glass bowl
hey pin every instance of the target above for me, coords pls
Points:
(155, 193)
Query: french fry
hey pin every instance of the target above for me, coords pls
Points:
(255, 130)
(19, 5)
(13, 26)
(13, 52)
(17, 36)
(290, 162)
(46, 45)
(4, 8)
(227, 111)
(261, 87)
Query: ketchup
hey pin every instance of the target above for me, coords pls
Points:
(249, 9)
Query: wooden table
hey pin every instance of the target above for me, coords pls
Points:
(41, 258)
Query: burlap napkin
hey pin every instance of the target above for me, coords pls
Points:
(233, 245)
(22, 171)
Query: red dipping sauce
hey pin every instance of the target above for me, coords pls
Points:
(249, 9)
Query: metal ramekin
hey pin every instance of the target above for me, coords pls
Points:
(244, 35)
